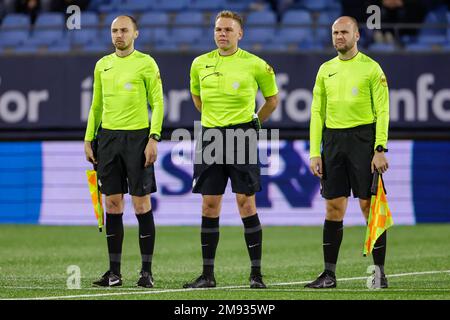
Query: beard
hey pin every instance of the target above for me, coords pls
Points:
(343, 48)
(121, 45)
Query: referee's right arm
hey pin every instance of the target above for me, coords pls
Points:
(95, 115)
(195, 87)
(316, 125)
(317, 115)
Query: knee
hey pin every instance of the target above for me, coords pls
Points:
(140, 208)
(141, 204)
(365, 208)
(114, 205)
(210, 209)
(334, 212)
(246, 206)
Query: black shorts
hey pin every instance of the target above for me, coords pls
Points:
(238, 161)
(121, 160)
(346, 157)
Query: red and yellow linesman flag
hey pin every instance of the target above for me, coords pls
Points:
(380, 217)
(96, 197)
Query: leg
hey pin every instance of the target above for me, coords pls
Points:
(211, 205)
(253, 236)
(114, 239)
(142, 183)
(336, 189)
(332, 238)
(379, 249)
(114, 230)
(365, 207)
(333, 231)
(144, 215)
(112, 182)
(209, 237)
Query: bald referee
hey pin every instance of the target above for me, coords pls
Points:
(124, 82)
(224, 83)
(349, 119)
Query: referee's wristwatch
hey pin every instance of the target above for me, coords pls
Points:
(380, 148)
(155, 137)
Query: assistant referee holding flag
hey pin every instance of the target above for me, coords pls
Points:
(224, 83)
(124, 82)
(350, 118)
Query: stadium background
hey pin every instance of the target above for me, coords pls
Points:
(45, 93)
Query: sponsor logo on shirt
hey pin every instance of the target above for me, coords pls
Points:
(269, 69)
(128, 86)
(383, 80)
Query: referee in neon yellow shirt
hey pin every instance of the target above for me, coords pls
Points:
(349, 119)
(224, 83)
(124, 82)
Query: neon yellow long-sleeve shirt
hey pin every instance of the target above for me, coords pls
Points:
(122, 88)
(349, 93)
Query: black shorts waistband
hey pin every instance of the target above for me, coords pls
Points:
(138, 131)
(246, 125)
(364, 127)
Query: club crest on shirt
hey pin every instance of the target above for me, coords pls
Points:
(128, 86)
(355, 91)
(383, 80)
(269, 69)
(235, 85)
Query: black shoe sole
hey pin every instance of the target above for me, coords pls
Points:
(106, 286)
(258, 287)
(313, 287)
(146, 287)
(187, 286)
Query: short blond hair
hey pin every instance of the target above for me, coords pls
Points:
(232, 15)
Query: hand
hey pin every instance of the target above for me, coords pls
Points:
(316, 166)
(89, 153)
(150, 152)
(256, 123)
(379, 162)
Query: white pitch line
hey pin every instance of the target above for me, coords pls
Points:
(349, 290)
(216, 288)
(64, 288)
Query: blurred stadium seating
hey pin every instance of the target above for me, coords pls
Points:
(186, 24)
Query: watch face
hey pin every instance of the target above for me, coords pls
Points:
(380, 148)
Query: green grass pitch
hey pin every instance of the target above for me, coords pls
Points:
(34, 262)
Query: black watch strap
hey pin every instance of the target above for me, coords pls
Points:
(380, 148)
(155, 136)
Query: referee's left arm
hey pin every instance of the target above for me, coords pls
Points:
(380, 99)
(265, 77)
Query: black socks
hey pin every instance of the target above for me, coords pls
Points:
(379, 252)
(209, 241)
(146, 239)
(114, 238)
(253, 239)
(332, 238)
